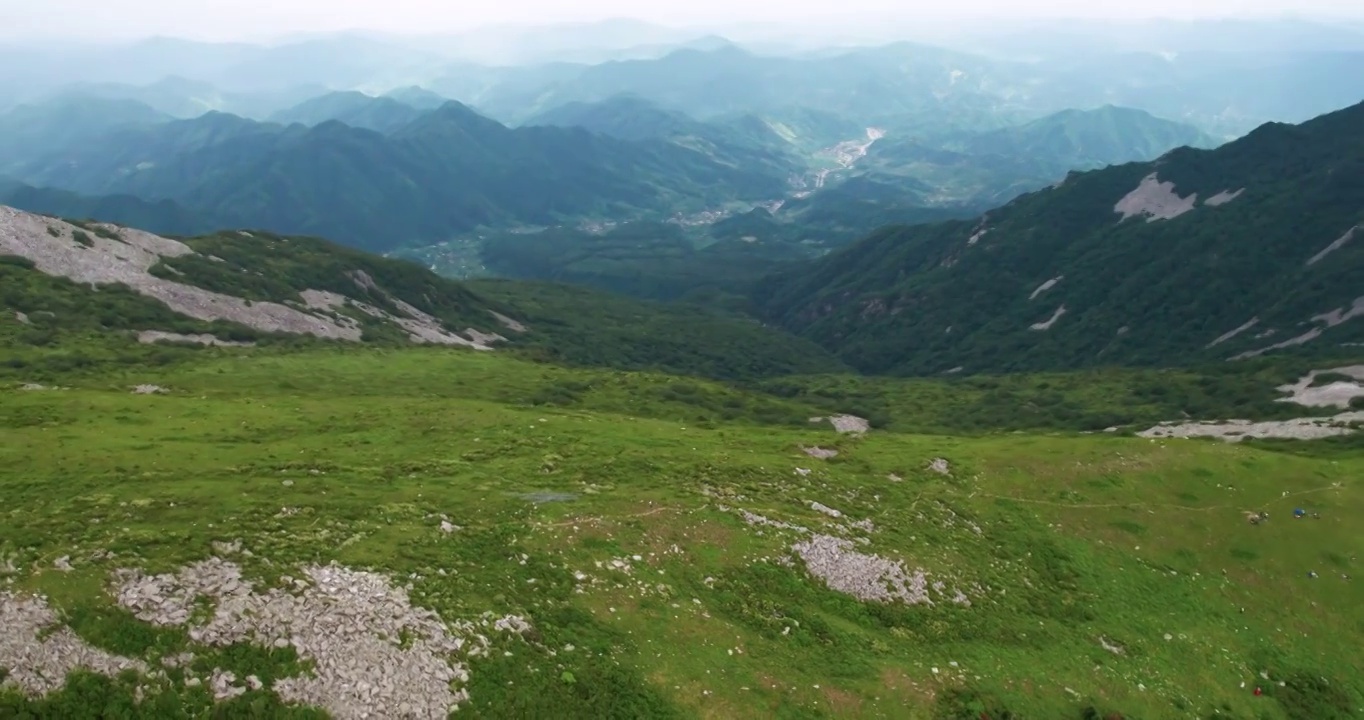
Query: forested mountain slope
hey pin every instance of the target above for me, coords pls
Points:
(450, 170)
(1251, 248)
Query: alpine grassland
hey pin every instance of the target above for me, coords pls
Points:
(674, 546)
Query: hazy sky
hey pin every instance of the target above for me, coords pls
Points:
(255, 19)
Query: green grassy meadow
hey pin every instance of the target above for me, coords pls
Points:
(1068, 545)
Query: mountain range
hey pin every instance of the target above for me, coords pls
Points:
(1232, 253)
(381, 174)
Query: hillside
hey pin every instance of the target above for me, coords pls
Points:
(1228, 253)
(467, 530)
(98, 294)
(448, 171)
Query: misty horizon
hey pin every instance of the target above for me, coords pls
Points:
(256, 21)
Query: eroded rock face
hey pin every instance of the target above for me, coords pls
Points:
(374, 654)
(38, 661)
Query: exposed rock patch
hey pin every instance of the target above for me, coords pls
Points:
(1223, 197)
(129, 260)
(820, 453)
(1047, 325)
(149, 337)
(1233, 333)
(846, 424)
(37, 657)
(1325, 322)
(149, 390)
(1237, 430)
(509, 323)
(821, 507)
(1046, 286)
(1156, 200)
(22, 318)
(1337, 394)
(1334, 246)
(865, 577)
(940, 466)
(420, 326)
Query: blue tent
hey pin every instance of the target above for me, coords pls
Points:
(1299, 512)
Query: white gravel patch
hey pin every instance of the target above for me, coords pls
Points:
(37, 657)
(347, 622)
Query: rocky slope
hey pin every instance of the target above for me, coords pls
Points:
(266, 284)
(1248, 249)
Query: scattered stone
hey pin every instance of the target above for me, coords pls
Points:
(846, 424)
(940, 466)
(222, 685)
(227, 548)
(37, 657)
(820, 507)
(343, 620)
(22, 318)
(32, 387)
(865, 577)
(820, 453)
(151, 337)
(803, 472)
(756, 519)
(1238, 430)
(448, 527)
(63, 563)
(149, 390)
